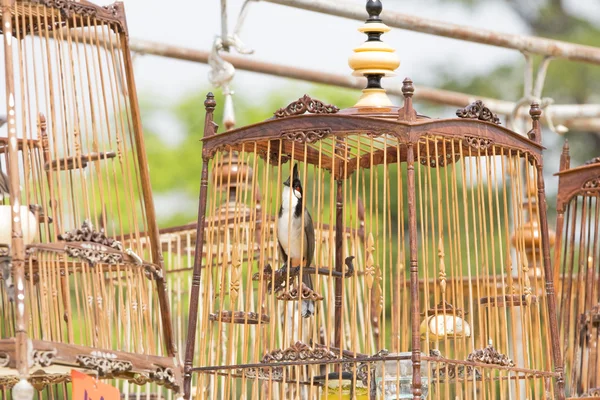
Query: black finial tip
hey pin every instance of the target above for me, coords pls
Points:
(535, 111)
(374, 81)
(407, 87)
(210, 100)
(374, 8)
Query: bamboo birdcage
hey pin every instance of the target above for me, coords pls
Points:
(577, 267)
(87, 270)
(447, 277)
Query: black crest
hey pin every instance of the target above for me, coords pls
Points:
(295, 177)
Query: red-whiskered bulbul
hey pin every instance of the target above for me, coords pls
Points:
(296, 240)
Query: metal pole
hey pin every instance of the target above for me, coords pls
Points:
(529, 44)
(567, 113)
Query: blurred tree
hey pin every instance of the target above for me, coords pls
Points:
(566, 81)
(176, 164)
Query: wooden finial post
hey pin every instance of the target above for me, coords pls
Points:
(210, 127)
(535, 133)
(565, 157)
(407, 112)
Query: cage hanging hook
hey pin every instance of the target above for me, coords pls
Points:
(540, 78)
(532, 90)
(222, 72)
(558, 129)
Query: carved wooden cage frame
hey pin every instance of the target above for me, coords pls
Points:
(74, 149)
(310, 133)
(576, 260)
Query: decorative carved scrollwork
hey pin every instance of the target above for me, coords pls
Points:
(305, 136)
(240, 317)
(92, 245)
(8, 381)
(87, 234)
(40, 382)
(444, 370)
(44, 358)
(305, 104)
(363, 369)
(595, 160)
(164, 376)
(296, 352)
(477, 110)
(104, 366)
(140, 379)
(4, 359)
(299, 351)
(490, 355)
(305, 293)
(94, 254)
(439, 161)
(68, 8)
(272, 157)
(478, 143)
(592, 392)
(268, 373)
(111, 9)
(592, 185)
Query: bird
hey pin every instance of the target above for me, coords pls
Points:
(296, 240)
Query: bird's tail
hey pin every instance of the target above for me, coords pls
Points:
(308, 306)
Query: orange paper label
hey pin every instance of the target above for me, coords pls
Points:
(87, 388)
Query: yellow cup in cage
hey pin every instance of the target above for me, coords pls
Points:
(342, 389)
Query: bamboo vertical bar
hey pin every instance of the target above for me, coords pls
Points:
(339, 262)
(148, 199)
(535, 113)
(565, 161)
(18, 248)
(209, 130)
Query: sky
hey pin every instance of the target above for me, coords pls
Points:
(299, 38)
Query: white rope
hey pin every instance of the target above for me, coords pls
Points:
(222, 72)
(533, 92)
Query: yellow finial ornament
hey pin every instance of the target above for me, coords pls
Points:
(374, 59)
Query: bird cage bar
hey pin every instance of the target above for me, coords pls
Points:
(89, 273)
(281, 348)
(17, 246)
(321, 139)
(576, 258)
(210, 129)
